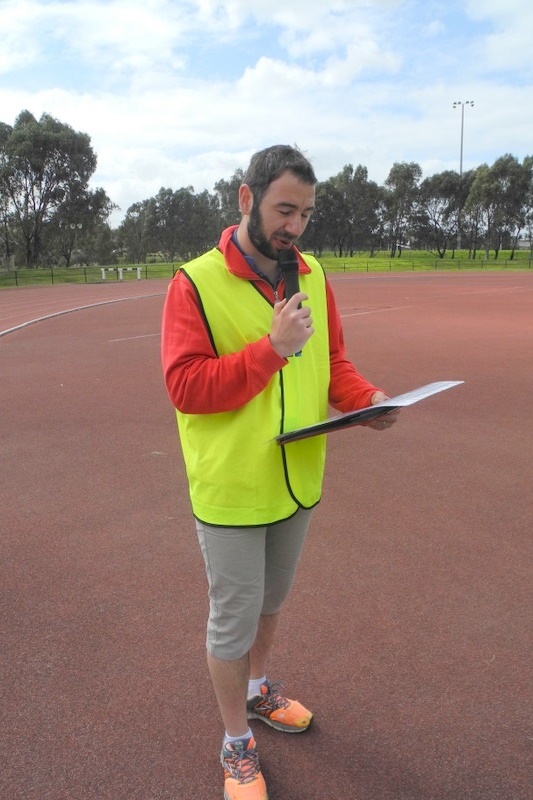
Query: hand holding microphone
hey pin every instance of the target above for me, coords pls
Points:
(292, 323)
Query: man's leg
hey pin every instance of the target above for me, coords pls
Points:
(245, 567)
(230, 678)
(235, 566)
(284, 542)
(230, 682)
(263, 645)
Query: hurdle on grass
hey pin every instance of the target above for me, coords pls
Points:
(121, 270)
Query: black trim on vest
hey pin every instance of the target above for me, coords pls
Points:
(257, 288)
(284, 455)
(202, 310)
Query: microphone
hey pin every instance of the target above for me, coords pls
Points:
(288, 264)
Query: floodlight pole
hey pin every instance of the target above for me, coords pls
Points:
(461, 103)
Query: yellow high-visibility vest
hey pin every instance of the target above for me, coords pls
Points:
(238, 475)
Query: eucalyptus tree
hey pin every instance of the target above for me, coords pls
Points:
(76, 225)
(204, 230)
(402, 186)
(347, 182)
(528, 200)
(497, 202)
(316, 236)
(437, 211)
(332, 203)
(482, 207)
(170, 218)
(134, 232)
(473, 223)
(7, 236)
(227, 199)
(511, 180)
(360, 208)
(375, 216)
(43, 165)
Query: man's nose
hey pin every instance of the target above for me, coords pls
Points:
(295, 226)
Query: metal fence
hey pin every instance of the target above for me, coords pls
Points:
(41, 276)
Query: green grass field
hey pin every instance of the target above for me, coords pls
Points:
(410, 261)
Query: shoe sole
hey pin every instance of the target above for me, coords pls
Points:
(227, 797)
(279, 726)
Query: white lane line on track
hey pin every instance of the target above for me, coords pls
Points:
(373, 311)
(131, 338)
(76, 308)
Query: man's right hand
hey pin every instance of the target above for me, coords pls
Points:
(291, 326)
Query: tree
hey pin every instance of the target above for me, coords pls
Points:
(358, 208)
(227, 197)
(204, 230)
(316, 235)
(528, 200)
(348, 214)
(44, 165)
(71, 232)
(437, 210)
(133, 232)
(329, 199)
(510, 181)
(171, 217)
(402, 193)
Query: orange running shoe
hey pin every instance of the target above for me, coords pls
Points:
(242, 774)
(278, 711)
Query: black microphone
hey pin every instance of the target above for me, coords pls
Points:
(288, 264)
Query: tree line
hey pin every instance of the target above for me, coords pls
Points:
(49, 216)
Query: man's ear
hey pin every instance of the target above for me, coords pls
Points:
(246, 199)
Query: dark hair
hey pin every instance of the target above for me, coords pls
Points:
(268, 164)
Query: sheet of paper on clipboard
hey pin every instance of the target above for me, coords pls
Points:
(368, 414)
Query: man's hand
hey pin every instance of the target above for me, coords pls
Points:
(389, 419)
(291, 326)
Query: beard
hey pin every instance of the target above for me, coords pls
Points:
(257, 236)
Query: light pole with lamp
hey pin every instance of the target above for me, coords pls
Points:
(461, 103)
(72, 229)
(76, 226)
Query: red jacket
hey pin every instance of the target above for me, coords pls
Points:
(199, 382)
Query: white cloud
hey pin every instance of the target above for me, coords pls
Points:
(17, 50)
(507, 44)
(181, 93)
(106, 34)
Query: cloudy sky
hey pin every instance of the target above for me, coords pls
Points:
(180, 93)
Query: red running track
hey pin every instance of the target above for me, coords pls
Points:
(410, 628)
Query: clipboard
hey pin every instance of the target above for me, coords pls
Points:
(367, 414)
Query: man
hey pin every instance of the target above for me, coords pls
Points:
(241, 365)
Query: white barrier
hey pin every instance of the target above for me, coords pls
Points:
(121, 271)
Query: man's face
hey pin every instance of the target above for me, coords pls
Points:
(282, 216)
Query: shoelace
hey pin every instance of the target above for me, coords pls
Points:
(242, 765)
(273, 699)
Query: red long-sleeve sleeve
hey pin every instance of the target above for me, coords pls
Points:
(348, 389)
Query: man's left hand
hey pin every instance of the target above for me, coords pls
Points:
(387, 420)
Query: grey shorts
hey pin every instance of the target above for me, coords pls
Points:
(250, 572)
